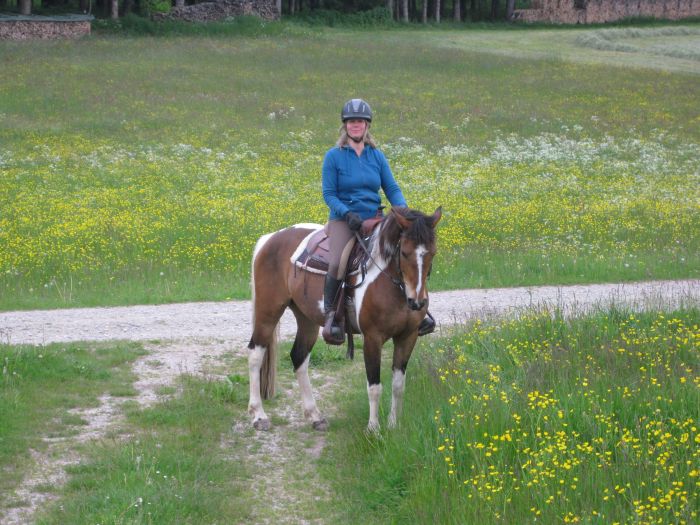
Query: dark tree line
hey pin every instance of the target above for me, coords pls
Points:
(412, 10)
(401, 10)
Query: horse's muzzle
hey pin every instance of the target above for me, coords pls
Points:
(415, 305)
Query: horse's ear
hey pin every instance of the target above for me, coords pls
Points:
(437, 216)
(403, 221)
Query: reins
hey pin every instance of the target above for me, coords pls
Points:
(398, 282)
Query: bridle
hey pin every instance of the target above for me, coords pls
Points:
(399, 282)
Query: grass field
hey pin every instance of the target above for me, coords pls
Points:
(143, 169)
(538, 420)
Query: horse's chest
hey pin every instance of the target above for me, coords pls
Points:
(380, 304)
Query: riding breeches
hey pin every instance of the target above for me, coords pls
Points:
(341, 240)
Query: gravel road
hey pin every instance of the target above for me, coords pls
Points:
(230, 321)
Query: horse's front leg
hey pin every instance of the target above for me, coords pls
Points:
(403, 347)
(373, 358)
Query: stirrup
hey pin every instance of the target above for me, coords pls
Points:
(427, 325)
(332, 333)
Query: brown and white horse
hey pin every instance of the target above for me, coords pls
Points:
(390, 303)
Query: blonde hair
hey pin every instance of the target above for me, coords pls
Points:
(343, 139)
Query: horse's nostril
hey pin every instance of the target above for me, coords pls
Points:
(413, 305)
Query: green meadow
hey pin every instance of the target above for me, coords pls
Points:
(538, 420)
(544, 419)
(143, 169)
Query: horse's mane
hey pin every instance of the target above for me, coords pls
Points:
(421, 231)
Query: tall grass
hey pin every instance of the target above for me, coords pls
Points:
(143, 170)
(632, 39)
(243, 26)
(538, 420)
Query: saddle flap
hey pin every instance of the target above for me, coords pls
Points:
(312, 253)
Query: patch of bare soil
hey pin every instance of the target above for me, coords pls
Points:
(195, 338)
(49, 465)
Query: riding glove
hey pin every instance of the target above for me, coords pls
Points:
(354, 221)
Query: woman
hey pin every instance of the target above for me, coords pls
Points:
(353, 173)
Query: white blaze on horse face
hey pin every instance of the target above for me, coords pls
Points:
(255, 359)
(420, 257)
(374, 393)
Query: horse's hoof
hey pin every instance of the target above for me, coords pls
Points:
(321, 425)
(261, 424)
(372, 429)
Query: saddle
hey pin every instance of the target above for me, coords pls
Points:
(312, 256)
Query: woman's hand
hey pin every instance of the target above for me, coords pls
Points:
(354, 221)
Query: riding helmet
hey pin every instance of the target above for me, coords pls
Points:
(356, 108)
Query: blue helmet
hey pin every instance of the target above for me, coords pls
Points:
(356, 108)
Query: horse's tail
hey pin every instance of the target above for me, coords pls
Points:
(268, 368)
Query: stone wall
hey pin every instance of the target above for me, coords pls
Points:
(40, 27)
(600, 11)
(222, 9)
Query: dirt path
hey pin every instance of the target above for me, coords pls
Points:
(196, 337)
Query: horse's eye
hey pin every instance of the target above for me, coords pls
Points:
(404, 255)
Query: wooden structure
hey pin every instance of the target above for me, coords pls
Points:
(21, 27)
(601, 11)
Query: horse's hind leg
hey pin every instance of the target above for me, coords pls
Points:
(255, 407)
(262, 357)
(307, 334)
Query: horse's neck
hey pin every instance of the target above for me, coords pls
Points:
(379, 257)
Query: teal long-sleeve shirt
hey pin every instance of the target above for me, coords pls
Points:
(351, 182)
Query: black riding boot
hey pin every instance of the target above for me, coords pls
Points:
(332, 333)
(427, 325)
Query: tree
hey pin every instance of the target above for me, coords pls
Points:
(114, 11)
(404, 11)
(510, 8)
(424, 17)
(437, 11)
(25, 7)
(494, 9)
(457, 12)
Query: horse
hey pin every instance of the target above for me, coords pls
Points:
(390, 299)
